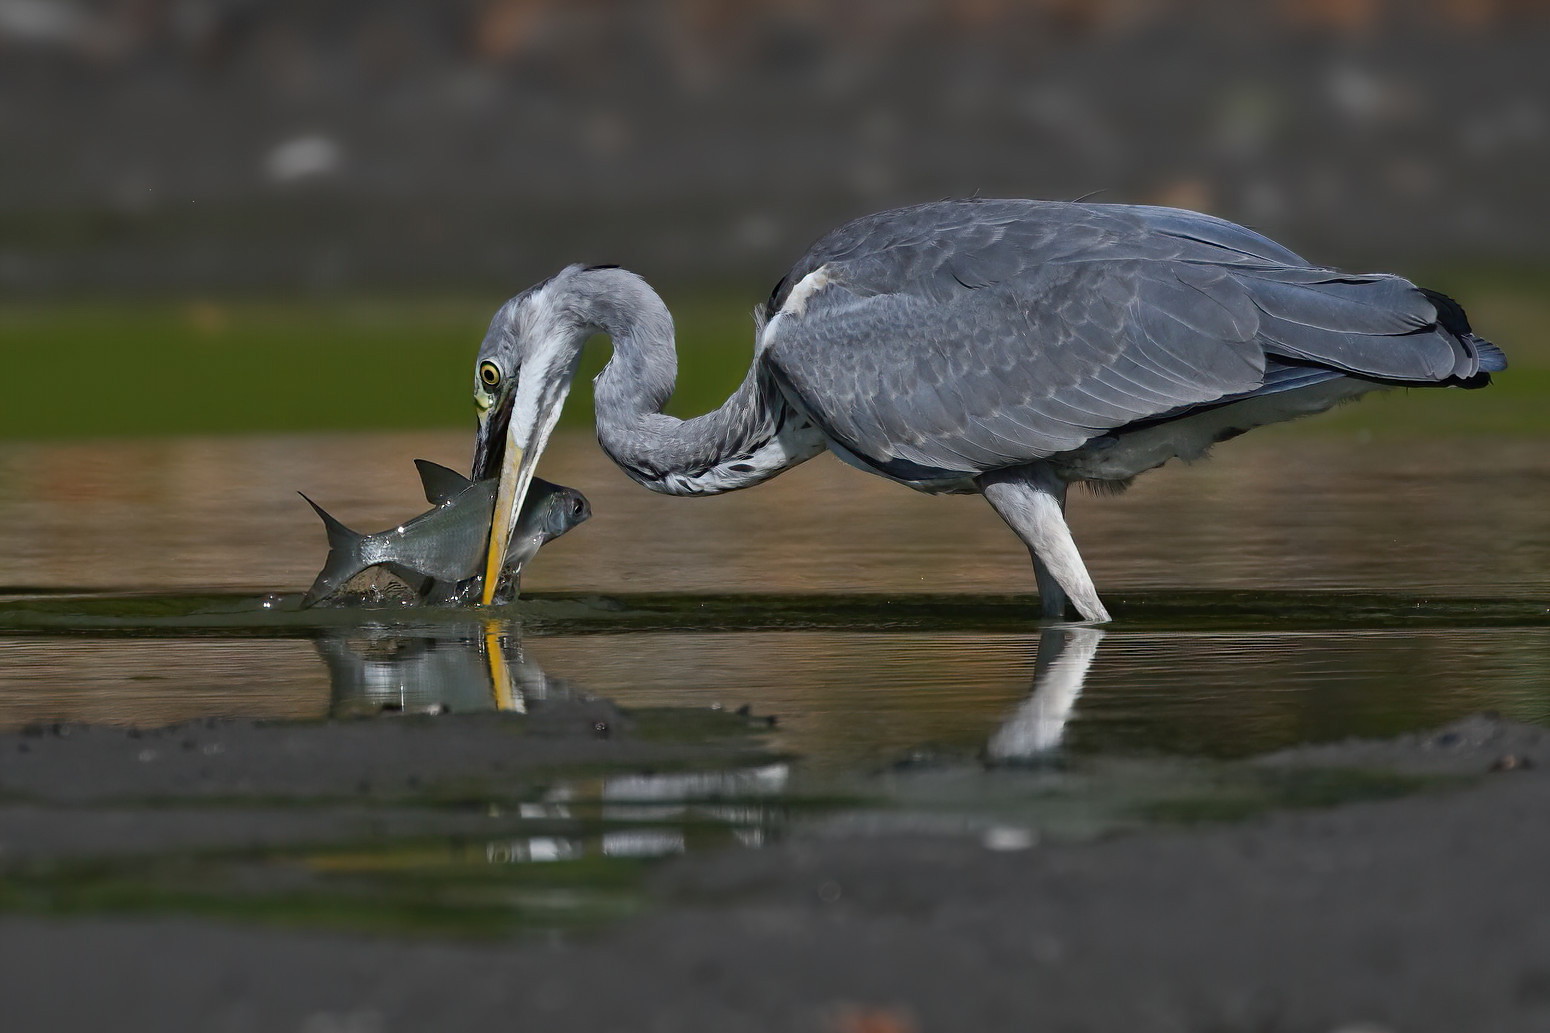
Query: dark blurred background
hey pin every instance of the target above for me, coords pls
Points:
(259, 215)
(351, 145)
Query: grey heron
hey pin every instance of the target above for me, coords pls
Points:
(1004, 347)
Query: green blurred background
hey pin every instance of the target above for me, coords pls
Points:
(102, 368)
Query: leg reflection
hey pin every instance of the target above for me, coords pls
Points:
(1039, 722)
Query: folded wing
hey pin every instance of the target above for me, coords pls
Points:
(963, 337)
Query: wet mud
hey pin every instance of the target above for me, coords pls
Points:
(453, 872)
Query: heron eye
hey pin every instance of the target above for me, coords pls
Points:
(489, 373)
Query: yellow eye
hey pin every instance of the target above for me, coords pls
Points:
(489, 373)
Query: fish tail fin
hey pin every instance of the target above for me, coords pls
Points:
(340, 537)
(344, 557)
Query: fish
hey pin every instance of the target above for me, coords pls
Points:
(441, 552)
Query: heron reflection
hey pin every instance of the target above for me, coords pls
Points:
(1038, 724)
(472, 667)
(432, 669)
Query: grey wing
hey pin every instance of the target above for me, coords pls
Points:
(962, 337)
(927, 389)
(932, 247)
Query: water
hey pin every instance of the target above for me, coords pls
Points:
(1295, 589)
(782, 594)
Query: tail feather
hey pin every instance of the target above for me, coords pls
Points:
(344, 557)
(1492, 358)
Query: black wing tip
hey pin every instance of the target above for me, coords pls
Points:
(1450, 314)
(1452, 318)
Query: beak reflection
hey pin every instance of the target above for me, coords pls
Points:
(456, 669)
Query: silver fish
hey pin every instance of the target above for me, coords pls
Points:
(442, 552)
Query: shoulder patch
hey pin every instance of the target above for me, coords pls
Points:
(812, 283)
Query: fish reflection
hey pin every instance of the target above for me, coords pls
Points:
(646, 815)
(650, 815)
(1038, 724)
(471, 667)
(457, 668)
(738, 798)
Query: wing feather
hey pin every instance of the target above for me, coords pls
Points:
(961, 337)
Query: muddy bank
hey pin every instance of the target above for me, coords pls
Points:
(394, 759)
(1420, 913)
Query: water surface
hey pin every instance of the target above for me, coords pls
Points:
(884, 647)
(1294, 588)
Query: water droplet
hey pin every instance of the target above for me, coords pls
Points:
(270, 601)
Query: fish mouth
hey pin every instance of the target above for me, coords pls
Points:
(508, 583)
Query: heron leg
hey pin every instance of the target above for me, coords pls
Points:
(1032, 501)
(1052, 598)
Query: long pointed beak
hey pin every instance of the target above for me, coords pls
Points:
(516, 474)
(512, 435)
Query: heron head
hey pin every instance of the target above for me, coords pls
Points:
(521, 378)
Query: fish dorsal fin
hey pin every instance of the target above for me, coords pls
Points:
(441, 484)
(339, 536)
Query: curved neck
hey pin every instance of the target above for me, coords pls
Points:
(750, 438)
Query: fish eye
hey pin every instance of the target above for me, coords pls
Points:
(575, 507)
(489, 374)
